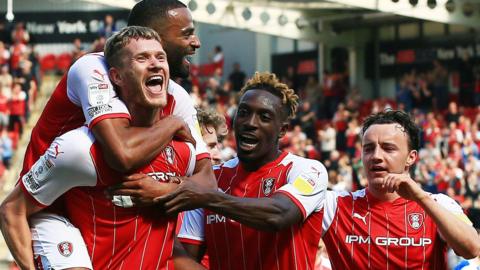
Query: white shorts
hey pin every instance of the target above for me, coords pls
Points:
(57, 244)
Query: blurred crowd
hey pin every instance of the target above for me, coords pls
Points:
(19, 82)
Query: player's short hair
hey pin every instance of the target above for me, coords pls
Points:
(399, 117)
(269, 82)
(148, 12)
(118, 41)
(214, 119)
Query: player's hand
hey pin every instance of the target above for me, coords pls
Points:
(189, 195)
(404, 185)
(183, 132)
(141, 188)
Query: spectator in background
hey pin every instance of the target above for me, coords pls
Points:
(17, 50)
(327, 138)
(4, 108)
(467, 82)
(17, 109)
(78, 49)
(4, 54)
(237, 78)
(440, 86)
(217, 56)
(6, 80)
(26, 80)
(6, 147)
(108, 27)
(452, 115)
(20, 34)
(306, 119)
(313, 94)
(99, 44)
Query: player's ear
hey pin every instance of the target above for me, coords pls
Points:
(283, 129)
(115, 76)
(411, 158)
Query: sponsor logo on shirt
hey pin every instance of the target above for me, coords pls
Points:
(98, 110)
(65, 248)
(362, 218)
(216, 218)
(37, 174)
(169, 154)
(415, 220)
(161, 176)
(57, 152)
(98, 94)
(389, 241)
(99, 76)
(267, 186)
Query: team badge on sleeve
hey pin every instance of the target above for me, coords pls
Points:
(415, 220)
(65, 248)
(267, 186)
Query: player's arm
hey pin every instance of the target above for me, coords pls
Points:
(192, 234)
(269, 214)
(453, 225)
(126, 148)
(303, 194)
(182, 260)
(14, 212)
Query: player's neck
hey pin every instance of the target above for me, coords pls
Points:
(143, 117)
(382, 194)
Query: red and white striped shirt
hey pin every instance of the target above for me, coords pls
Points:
(86, 96)
(231, 245)
(363, 232)
(116, 237)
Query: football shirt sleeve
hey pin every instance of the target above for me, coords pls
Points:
(306, 185)
(452, 206)
(89, 87)
(184, 108)
(193, 230)
(66, 164)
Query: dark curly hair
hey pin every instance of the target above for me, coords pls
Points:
(399, 117)
(269, 82)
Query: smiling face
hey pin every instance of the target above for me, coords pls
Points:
(178, 39)
(142, 78)
(258, 124)
(385, 150)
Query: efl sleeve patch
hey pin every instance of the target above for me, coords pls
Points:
(464, 218)
(304, 185)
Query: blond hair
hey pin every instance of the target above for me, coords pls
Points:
(269, 82)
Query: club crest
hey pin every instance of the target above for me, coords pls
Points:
(65, 248)
(267, 186)
(415, 220)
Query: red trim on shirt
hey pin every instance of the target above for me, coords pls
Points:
(202, 156)
(108, 116)
(295, 201)
(190, 241)
(30, 197)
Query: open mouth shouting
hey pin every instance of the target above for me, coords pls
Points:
(155, 84)
(247, 142)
